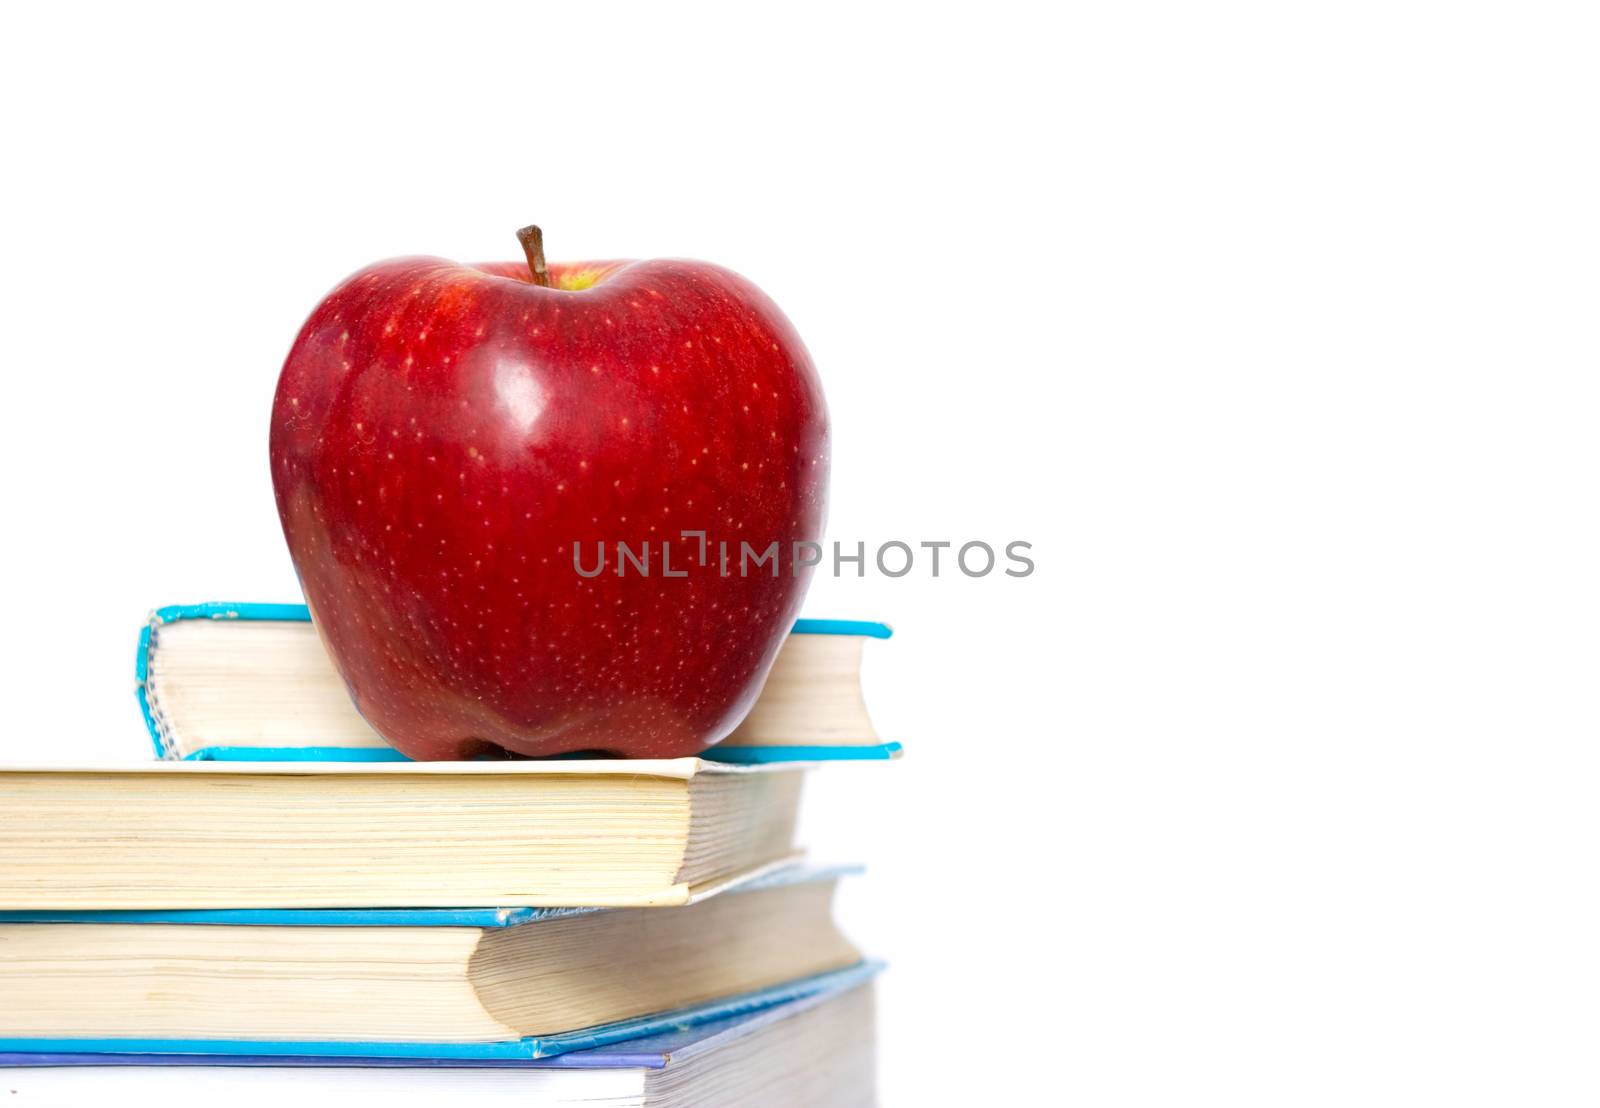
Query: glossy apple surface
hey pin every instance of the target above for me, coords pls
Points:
(444, 433)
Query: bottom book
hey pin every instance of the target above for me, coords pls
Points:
(814, 1051)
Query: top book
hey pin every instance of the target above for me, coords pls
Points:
(252, 682)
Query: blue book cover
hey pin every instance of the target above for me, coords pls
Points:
(325, 726)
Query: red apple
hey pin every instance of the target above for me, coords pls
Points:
(443, 434)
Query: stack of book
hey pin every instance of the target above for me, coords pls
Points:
(281, 894)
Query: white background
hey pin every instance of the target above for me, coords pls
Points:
(1272, 327)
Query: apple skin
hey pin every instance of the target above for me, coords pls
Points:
(443, 434)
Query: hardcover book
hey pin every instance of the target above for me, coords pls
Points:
(253, 682)
(808, 1048)
(529, 981)
(553, 833)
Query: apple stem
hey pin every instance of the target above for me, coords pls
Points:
(532, 240)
